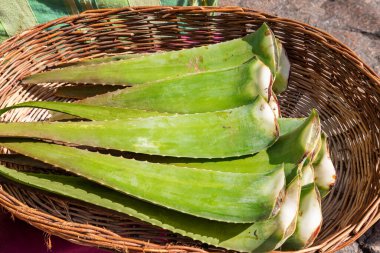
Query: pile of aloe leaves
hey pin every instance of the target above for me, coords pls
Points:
(191, 141)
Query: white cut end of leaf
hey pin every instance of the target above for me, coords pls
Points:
(289, 208)
(263, 112)
(276, 185)
(312, 136)
(284, 66)
(325, 174)
(316, 150)
(310, 216)
(263, 76)
(274, 105)
(307, 175)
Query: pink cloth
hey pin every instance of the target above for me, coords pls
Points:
(19, 237)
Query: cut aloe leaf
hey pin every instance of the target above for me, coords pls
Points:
(282, 74)
(302, 139)
(307, 174)
(259, 163)
(202, 92)
(83, 91)
(287, 218)
(240, 131)
(234, 236)
(93, 112)
(309, 219)
(301, 134)
(325, 173)
(216, 195)
(286, 125)
(171, 64)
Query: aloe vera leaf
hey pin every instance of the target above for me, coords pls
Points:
(325, 173)
(286, 219)
(302, 139)
(309, 219)
(234, 236)
(216, 195)
(280, 83)
(83, 91)
(307, 174)
(240, 131)
(91, 112)
(260, 162)
(170, 64)
(98, 113)
(202, 92)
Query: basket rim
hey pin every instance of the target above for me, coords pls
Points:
(327, 39)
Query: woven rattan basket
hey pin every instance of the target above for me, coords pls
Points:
(325, 75)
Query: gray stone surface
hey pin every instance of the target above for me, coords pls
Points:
(353, 248)
(370, 241)
(356, 23)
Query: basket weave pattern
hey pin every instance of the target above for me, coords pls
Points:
(325, 75)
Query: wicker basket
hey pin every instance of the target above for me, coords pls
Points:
(325, 75)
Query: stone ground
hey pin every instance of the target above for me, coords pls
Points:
(356, 23)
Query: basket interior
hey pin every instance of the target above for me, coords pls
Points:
(324, 75)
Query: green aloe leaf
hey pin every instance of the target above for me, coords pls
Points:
(325, 173)
(82, 91)
(302, 134)
(202, 92)
(309, 219)
(216, 195)
(303, 140)
(261, 162)
(235, 236)
(283, 70)
(239, 131)
(159, 66)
